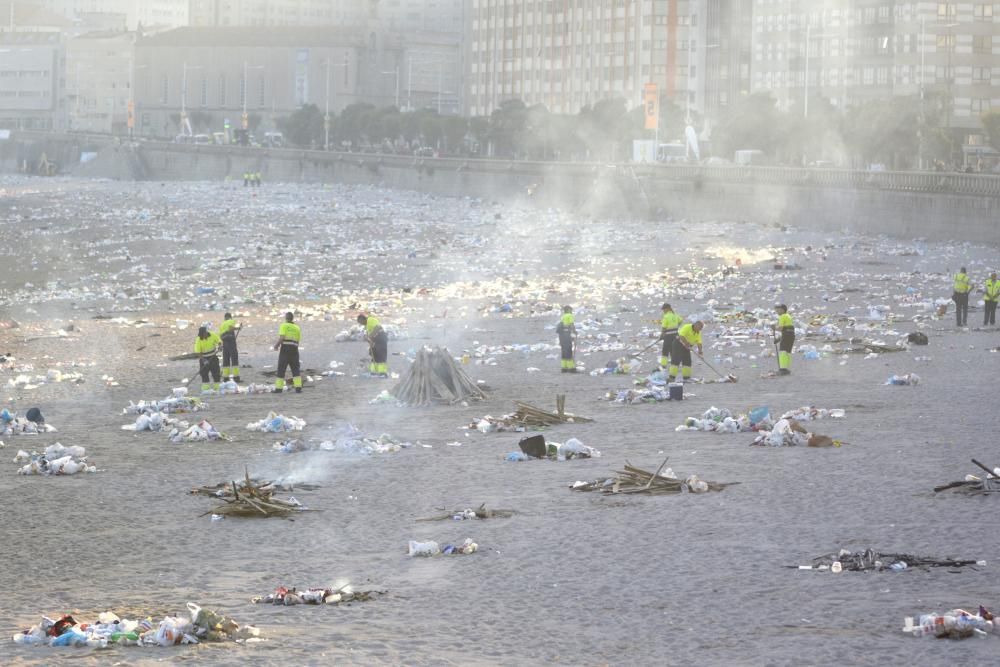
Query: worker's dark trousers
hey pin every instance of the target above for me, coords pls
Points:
(668, 345)
(566, 351)
(288, 357)
(785, 349)
(208, 367)
(380, 354)
(961, 308)
(230, 355)
(990, 314)
(680, 357)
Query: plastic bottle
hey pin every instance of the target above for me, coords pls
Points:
(898, 566)
(71, 637)
(836, 567)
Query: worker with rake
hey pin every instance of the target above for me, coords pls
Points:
(289, 337)
(669, 324)
(228, 332)
(688, 337)
(206, 346)
(566, 329)
(787, 340)
(378, 345)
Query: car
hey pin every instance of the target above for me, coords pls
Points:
(424, 151)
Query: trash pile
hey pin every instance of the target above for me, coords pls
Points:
(56, 460)
(974, 485)
(201, 432)
(536, 447)
(788, 432)
(954, 624)
(288, 597)
(199, 625)
(52, 376)
(357, 333)
(275, 423)
(621, 366)
(468, 513)
(870, 560)
(490, 424)
(907, 380)
(808, 413)
(154, 422)
(721, 420)
(348, 440)
(253, 499)
(11, 424)
(636, 480)
(434, 377)
(427, 549)
(172, 405)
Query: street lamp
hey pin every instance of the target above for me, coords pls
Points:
(246, 93)
(326, 115)
(396, 74)
(185, 125)
(131, 96)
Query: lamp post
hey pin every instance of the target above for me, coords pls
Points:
(185, 125)
(246, 93)
(131, 96)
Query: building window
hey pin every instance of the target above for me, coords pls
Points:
(164, 89)
(946, 43)
(980, 105)
(983, 12)
(981, 74)
(982, 44)
(204, 92)
(947, 10)
(260, 98)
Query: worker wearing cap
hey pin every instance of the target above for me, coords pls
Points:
(669, 324)
(787, 329)
(378, 345)
(289, 337)
(961, 297)
(230, 354)
(992, 290)
(566, 329)
(206, 346)
(688, 337)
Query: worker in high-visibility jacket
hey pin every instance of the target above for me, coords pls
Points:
(206, 346)
(228, 331)
(669, 324)
(961, 297)
(688, 338)
(787, 328)
(378, 345)
(289, 337)
(991, 297)
(566, 330)
(246, 179)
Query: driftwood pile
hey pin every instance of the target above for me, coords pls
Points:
(529, 415)
(249, 499)
(434, 377)
(974, 485)
(225, 489)
(636, 480)
(870, 560)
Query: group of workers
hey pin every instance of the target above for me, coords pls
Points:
(208, 344)
(251, 179)
(991, 295)
(679, 339)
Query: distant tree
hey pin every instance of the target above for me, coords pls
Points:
(453, 131)
(991, 125)
(479, 129)
(253, 121)
(353, 123)
(507, 126)
(304, 127)
(200, 120)
(753, 122)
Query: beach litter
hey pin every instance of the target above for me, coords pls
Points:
(348, 440)
(56, 460)
(910, 379)
(973, 484)
(661, 482)
(11, 424)
(790, 433)
(468, 513)
(871, 560)
(253, 499)
(154, 422)
(536, 447)
(953, 624)
(178, 404)
(290, 596)
(199, 625)
(428, 549)
(275, 423)
(201, 432)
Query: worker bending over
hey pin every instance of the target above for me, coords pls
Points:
(566, 329)
(289, 337)
(378, 345)
(669, 324)
(688, 338)
(787, 329)
(206, 346)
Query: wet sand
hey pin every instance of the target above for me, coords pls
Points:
(572, 578)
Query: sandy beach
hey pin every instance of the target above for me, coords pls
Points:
(109, 280)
